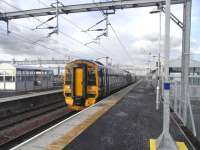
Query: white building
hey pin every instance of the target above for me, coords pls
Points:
(24, 78)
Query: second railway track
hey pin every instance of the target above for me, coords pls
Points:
(18, 125)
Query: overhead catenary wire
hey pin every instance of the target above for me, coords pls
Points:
(121, 43)
(72, 38)
(42, 38)
(25, 40)
(26, 26)
(81, 29)
(67, 34)
(64, 34)
(116, 35)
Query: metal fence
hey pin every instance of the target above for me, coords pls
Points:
(193, 80)
(193, 105)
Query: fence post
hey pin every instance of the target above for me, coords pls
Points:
(175, 97)
(191, 115)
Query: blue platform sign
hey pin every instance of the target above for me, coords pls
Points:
(167, 86)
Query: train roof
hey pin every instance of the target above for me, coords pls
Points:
(6, 66)
(101, 65)
(89, 61)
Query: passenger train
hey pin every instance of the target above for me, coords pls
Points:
(87, 81)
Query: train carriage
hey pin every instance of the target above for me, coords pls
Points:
(87, 81)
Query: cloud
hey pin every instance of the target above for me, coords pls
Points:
(136, 28)
(21, 44)
(195, 50)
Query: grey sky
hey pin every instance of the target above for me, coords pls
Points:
(137, 29)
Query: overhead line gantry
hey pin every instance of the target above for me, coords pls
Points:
(78, 8)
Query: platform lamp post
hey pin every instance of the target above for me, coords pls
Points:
(148, 72)
(165, 140)
(158, 10)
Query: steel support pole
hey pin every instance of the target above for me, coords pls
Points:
(185, 56)
(165, 141)
(158, 93)
(57, 13)
(107, 61)
(159, 65)
(175, 96)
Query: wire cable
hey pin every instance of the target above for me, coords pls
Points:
(115, 33)
(64, 34)
(120, 42)
(80, 28)
(25, 40)
(74, 39)
(26, 26)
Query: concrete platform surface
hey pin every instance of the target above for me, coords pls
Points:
(129, 125)
(64, 132)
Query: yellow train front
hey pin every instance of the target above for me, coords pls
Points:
(86, 82)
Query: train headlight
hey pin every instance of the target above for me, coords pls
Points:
(68, 87)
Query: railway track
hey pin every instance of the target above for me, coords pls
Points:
(23, 116)
(21, 125)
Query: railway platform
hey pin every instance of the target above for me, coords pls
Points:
(29, 95)
(126, 120)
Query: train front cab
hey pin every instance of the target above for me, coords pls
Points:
(81, 85)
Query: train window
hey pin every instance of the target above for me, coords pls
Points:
(18, 72)
(1, 78)
(13, 79)
(18, 78)
(29, 78)
(37, 83)
(8, 78)
(23, 78)
(68, 76)
(91, 77)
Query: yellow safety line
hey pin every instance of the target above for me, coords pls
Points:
(180, 145)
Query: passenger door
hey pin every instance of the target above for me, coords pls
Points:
(79, 82)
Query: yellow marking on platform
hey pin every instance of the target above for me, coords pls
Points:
(152, 144)
(180, 145)
(76, 131)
